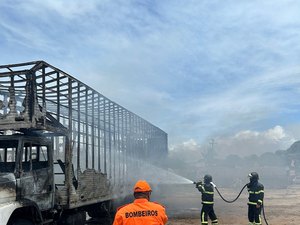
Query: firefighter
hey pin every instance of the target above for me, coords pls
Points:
(256, 197)
(207, 190)
(141, 211)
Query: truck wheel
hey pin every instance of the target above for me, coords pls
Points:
(77, 218)
(101, 210)
(21, 222)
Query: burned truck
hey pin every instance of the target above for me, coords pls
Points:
(65, 150)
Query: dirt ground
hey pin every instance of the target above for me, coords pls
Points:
(183, 204)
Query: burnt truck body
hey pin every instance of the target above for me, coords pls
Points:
(65, 149)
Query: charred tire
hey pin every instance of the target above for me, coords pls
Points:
(21, 222)
(74, 218)
(101, 210)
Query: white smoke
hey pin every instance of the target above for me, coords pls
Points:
(242, 143)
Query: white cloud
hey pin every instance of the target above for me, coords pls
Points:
(277, 133)
(67, 9)
(188, 145)
(249, 142)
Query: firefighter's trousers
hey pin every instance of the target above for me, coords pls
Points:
(254, 216)
(208, 211)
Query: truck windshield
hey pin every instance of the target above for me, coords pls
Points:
(35, 156)
(8, 150)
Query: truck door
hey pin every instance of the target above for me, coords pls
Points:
(36, 176)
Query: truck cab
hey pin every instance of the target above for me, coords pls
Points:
(26, 177)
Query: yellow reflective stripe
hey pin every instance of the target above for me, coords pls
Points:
(259, 221)
(208, 202)
(258, 192)
(207, 192)
(202, 219)
(260, 201)
(252, 203)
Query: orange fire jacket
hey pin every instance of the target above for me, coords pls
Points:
(141, 212)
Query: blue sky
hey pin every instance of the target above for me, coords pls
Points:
(200, 70)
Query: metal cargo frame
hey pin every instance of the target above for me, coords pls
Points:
(103, 135)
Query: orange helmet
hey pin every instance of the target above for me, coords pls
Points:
(141, 186)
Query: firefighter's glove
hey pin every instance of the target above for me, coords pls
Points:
(198, 184)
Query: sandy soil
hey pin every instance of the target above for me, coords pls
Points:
(282, 206)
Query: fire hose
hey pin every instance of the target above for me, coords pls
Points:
(224, 198)
(231, 201)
